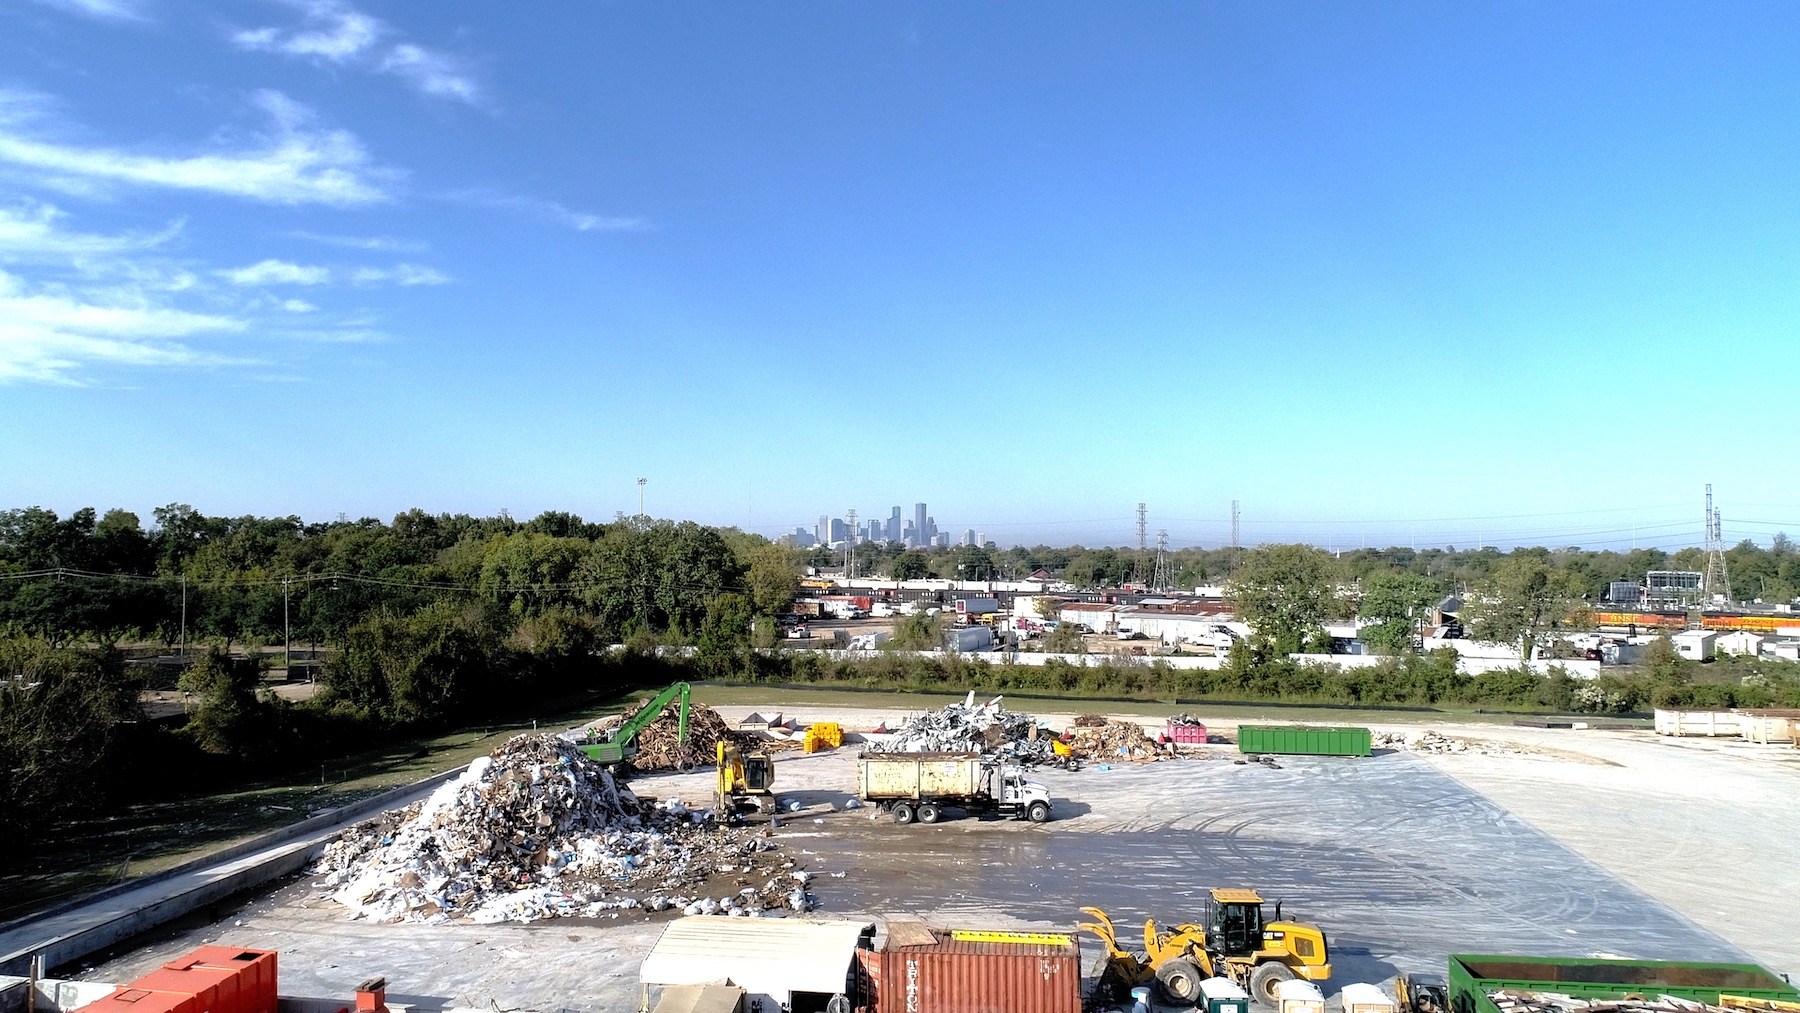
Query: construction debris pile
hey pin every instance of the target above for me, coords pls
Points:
(968, 727)
(1090, 720)
(1116, 740)
(1184, 718)
(1511, 1001)
(1425, 741)
(659, 744)
(537, 830)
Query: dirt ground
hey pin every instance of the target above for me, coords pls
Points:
(1591, 842)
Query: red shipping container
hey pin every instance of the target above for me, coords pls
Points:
(957, 976)
(1192, 735)
(211, 979)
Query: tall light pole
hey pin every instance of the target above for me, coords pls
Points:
(287, 638)
(641, 482)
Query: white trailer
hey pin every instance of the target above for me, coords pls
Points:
(922, 785)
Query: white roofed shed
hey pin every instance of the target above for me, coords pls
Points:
(772, 959)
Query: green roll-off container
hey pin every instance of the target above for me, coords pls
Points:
(1472, 977)
(1303, 740)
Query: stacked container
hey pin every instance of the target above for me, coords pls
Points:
(964, 976)
(1303, 740)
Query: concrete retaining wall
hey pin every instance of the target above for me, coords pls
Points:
(73, 929)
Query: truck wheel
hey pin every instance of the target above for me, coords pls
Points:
(1038, 812)
(1264, 979)
(930, 813)
(903, 813)
(1179, 981)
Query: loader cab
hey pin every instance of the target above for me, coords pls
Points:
(1234, 922)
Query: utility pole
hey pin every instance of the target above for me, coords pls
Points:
(287, 636)
(182, 650)
(641, 482)
(1234, 524)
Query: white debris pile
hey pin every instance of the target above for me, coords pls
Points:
(537, 830)
(969, 727)
(1426, 741)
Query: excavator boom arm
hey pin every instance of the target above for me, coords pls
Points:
(628, 732)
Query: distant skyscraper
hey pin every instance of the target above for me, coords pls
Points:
(836, 529)
(909, 535)
(969, 536)
(931, 532)
(893, 526)
(924, 534)
(822, 531)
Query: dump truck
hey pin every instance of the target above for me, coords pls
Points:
(1234, 940)
(920, 786)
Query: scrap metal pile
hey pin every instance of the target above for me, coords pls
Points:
(1511, 1001)
(968, 727)
(537, 830)
(1115, 740)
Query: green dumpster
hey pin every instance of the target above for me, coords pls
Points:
(1473, 977)
(1303, 740)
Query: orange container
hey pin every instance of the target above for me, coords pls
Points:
(211, 979)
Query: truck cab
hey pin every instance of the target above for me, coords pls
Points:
(1021, 797)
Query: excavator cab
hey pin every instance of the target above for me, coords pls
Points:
(744, 779)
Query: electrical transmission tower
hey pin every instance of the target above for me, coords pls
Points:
(1138, 572)
(1234, 524)
(850, 544)
(1718, 579)
(1163, 579)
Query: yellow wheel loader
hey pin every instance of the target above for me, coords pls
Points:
(1233, 941)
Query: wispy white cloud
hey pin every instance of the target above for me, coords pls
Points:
(294, 163)
(400, 274)
(276, 272)
(50, 336)
(105, 10)
(32, 230)
(548, 210)
(298, 306)
(335, 33)
(379, 244)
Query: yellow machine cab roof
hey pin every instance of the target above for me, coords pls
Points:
(1237, 896)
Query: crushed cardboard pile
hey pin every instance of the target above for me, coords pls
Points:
(986, 728)
(537, 830)
(1426, 741)
(1116, 740)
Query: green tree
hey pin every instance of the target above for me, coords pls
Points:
(1065, 639)
(227, 717)
(1523, 599)
(972, 563)
(724, 633)
(910, 565)
(918, 632)
(773, 580)
(1285, 593)
(1393, 603)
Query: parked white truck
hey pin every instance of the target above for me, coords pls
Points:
(922, 785)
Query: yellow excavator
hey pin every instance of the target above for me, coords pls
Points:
(1233, 941)
(744, 780)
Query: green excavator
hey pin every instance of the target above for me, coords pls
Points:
(621, 745)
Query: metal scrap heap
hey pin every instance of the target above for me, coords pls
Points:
(1426, 741)
(1511, 1001)
(537, 830)
(968, 727)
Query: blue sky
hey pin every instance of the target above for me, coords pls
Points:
(1386, 272)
